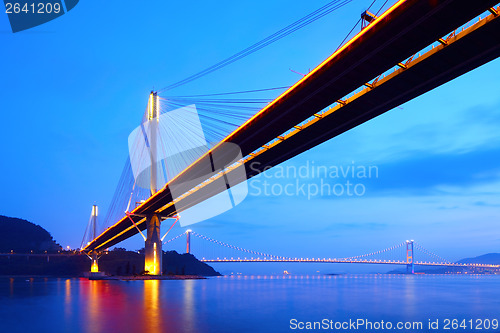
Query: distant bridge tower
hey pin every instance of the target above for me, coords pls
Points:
(188, 241)
(153, 251)
(410, 262)
(94, 255)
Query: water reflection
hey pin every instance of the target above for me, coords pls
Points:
(67, 297)
(235, 304)
(95, 297)
(189, 307)
(11, 286)
(152, 307)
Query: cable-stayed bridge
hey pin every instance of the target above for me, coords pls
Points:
(410, 49)
(407, 253)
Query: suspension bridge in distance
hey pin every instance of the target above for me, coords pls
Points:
(406, 251)
(392, 60)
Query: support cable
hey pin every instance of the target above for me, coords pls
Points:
(304, 21)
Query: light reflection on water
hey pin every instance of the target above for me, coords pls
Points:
(152, 306)
(238, 303)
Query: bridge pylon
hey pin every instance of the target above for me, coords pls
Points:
(94, 267)
(94, 255)
(153, 119)
(188, 241)
(410, 262)
(153, 247)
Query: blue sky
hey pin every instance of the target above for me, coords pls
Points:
(73, 89)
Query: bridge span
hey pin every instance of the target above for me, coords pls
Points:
(404, 254)
(330, 100)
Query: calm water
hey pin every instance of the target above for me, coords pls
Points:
(241, 304)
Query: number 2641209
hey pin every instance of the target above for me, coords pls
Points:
(34, 8)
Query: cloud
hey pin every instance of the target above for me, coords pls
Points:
(421, 128)
(362, 225)
(485, 204)
(431, 174)
(422, 174)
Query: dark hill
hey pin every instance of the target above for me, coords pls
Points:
(186, 264)
(22, 236)
(130, 263)
(490, 258)
(120, 263)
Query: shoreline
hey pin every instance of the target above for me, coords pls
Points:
(106, 277)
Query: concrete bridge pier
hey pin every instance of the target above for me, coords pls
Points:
(94, 266)
(153, 248)
(94, 255)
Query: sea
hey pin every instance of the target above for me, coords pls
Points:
(253, 303)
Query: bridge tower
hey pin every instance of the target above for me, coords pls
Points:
(188, 241)
(94, 255)
(410, 262)
(153, 246)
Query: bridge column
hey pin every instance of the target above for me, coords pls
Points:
(154, 254)
(94, 267)
(153, 119)
(153, 251)
(94, 255)
(410, 262)
(188, 241)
